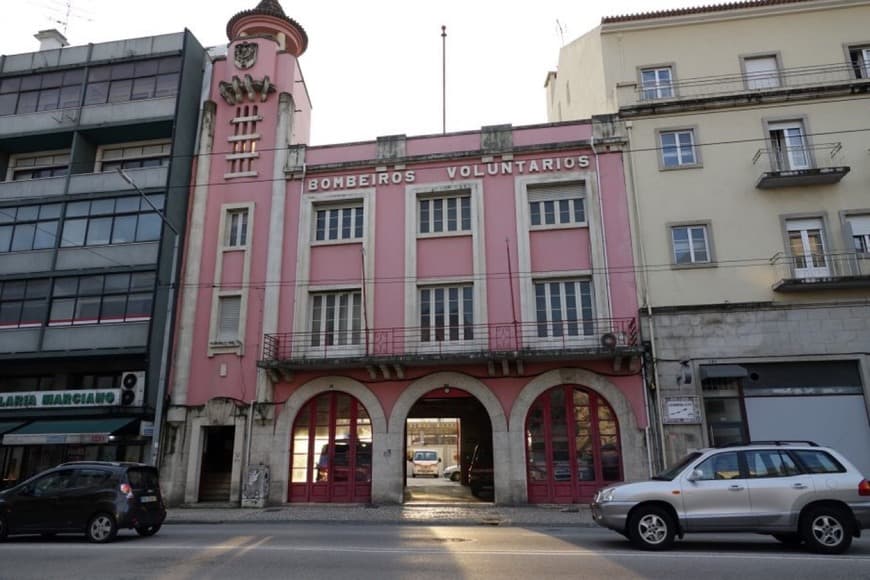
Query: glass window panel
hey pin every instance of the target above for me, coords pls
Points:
(438, 215)
(5, 238)
(46, 235)
(87, 309)
(70, 96)
(101, 73)
(97, 93)
(119, 91)
(124, 229)
(556, 308)
(10, 314)
(99, 231)
(74, 233)
(127, 204)
(166, 85)
(78, 208)
(466, 213)
(91, 285)
(320, 226)
(7, 215)
(346, 217)
(146, 68)
(143, 88)
(424, 216)
(535, 212)
(451, 214)
(122, 70)
(579, 211)
(359, 212)
(7, 104)
(114, 308)
(50, 211)
(65, 287)
(10, 85)
(22, 238)
(170, 64)
(33, 312)
(31, 82)
(14, 290)
(142, 281)
(48, 99)
(541, 309)
(564, 211)
(27, 213)
(27, 102)
(549, 212)
(333, 224)
(356, 323)
(74, 77)
(103, 206)
(139, 306)
(117, 283)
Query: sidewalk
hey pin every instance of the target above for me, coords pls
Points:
(414, 513)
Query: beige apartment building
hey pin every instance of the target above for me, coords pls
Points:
(749, 173)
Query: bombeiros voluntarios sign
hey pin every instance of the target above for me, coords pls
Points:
(457, 171)
(52, 399)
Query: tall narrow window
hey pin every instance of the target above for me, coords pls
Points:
(859, 226)
(229, 313)
(807, 247)
(564, 308)
(446, 313)
(656, 83)
(762, 72)
(788, 146)
(859, 57)
(236, 228)
(336, 318)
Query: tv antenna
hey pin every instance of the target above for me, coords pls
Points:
(63, 11)
(562, 30)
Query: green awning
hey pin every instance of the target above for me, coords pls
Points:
(7, 426)
(67, 432)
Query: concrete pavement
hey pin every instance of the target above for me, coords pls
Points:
(408, 513)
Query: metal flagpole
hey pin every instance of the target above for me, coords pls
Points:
(443, 79)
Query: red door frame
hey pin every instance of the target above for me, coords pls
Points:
(574, 490)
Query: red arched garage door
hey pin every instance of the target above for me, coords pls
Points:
(331, 451)
(572, 446)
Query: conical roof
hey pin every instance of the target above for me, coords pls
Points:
(268, 8)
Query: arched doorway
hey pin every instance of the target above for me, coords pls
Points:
(331, 451)
(572, 446)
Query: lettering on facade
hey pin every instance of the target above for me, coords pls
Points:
(93, 398)
(513, 167)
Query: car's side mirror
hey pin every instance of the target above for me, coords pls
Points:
(696, 475)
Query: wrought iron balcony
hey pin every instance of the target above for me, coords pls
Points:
(584, 339)
(821, 271)
(795, 166)
(749, 85)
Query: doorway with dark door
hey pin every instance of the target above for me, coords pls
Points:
(216, 467)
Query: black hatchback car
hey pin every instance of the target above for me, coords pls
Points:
(92, 497)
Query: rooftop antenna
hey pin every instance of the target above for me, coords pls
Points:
(562, 29)
(69, 12)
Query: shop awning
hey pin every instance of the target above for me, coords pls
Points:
(7, 426)
(67, 432)
(723, 372)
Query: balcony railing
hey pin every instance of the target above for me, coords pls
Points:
(819, 271)
(786, 166)
(737, 84)
(550, 340)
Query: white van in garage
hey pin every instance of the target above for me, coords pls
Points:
(425, 462)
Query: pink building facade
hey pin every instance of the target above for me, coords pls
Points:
(331, 293)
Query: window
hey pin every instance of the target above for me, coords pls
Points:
(788, 146)
(41, 92)
(339, 223)
(859, 58)
(807, 247)
(132, 81)
(336, 318)
(31, 227)
(447, 313)
(121, 220)
(770, 463)
(678, 148)
(444, 214)
(563, 308)
(153, 154)
(720, 466)
(243, 142)
(762, 72)
(859, 226)
(557, 204)
(229, 314)
(818, 461)
(23, 303)
(38, 165)
(656, 83)
(102, 299)
(690, 244)
(236, 228)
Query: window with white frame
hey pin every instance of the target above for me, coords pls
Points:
(447, 313)
(236, 228)
(563, 308)
(806, 238)
(134, 155)
(656, 83)
(228, 315)
(678, 148)
(37, 165)
(762, 72)
(859, 226)
(336, 318)
(690, 244)
(444, 214)
(859, 58)
(557, 204)
(345, 222)
(788, 146)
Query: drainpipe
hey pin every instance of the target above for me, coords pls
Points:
(646, 299)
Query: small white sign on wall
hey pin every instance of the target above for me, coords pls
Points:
(680, 410)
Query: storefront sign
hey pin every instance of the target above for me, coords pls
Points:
(681, 410)
(54, 399)
(471, 170)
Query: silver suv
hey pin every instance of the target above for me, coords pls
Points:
(795, 491)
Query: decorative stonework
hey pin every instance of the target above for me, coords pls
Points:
(235, 91)
(245, 55)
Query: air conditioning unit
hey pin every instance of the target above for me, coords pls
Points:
(132, 388)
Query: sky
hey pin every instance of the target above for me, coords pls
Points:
(372, 68)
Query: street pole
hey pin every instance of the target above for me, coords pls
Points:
(164, 354)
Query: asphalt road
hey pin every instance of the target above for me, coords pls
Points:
(410, 552)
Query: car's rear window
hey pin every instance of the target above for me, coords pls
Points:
(817, 461)
(143, 478)
(425, 456)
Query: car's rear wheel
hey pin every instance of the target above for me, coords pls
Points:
(4, 531)
(789, 539)
(826, 530)
(651, 528)
(101, 528)
(146, 531)
(454, 476)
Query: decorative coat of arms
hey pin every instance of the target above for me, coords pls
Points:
(245, 55)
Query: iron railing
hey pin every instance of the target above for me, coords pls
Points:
(785, 158)
(459, 341)
(822, 267)
(724, 85)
